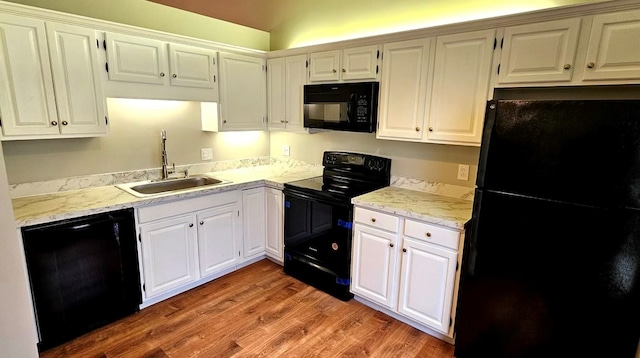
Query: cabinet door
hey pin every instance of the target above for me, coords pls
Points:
(275, 224)
(253, 213)
(614, 48)
(403, 89)
(193, 66)
(542, 52)
(460, 87)
(323, 66)
(219, 238)
(295, 79)
(360, 63)
(76, 74)
(136, 59)
(426, 284)
(27, 102)
(373, 265)
(169, 254)
(242, 92)
(276, 92)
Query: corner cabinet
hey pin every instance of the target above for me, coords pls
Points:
(49, 76)
(242, 92)
(407, 267)
(286, 78)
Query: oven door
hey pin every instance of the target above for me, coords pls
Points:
(317, 241)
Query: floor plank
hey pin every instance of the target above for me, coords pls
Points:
(257, 311)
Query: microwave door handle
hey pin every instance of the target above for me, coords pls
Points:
(349, 106)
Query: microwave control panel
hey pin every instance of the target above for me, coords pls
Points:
(362, 108)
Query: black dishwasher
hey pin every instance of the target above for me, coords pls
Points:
(83, 272)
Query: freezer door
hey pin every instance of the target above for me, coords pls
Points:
(584, 151)
(545, 278)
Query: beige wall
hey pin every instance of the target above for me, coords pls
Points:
(17, 325)
(159, 17)
(431, 162)
(334, 20)
(134, 143)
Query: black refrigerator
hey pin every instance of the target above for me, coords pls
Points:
(551, 263)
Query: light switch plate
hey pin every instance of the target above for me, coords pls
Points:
(463, 172)
(286, 150)
(206, 153)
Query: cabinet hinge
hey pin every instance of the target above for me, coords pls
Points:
(140, 237)
(378, 54)
(104, 44)
(97, 44)
(501, 42)
(306, 64)
(264, 68)
(457, 265)
(144, 287)
(495, 43)
(214, 78)
(238, 213)
(106, 120)
(450, 321)
(0, 122)
(106, 66)
(214, 61)
(498, 68)
(376, 68)
(238, 253)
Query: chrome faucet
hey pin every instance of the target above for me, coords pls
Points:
(165, 171)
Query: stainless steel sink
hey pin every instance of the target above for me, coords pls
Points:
(150, 188)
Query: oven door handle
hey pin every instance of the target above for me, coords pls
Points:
(313, 198)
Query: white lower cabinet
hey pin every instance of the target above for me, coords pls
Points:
(253, 208)
(169, 257)
(188, 242)
(274, 245)
(407, 267)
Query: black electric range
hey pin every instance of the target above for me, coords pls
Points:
(319, 218)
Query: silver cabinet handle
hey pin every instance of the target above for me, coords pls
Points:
(201, 222)
(161, 74)
(64, 123)
(390, 245)
(591, 65)
(191, 225)
(334, 71)
(174, 75)
(567, 66)
(54, 123)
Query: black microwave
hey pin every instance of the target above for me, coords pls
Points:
(342, 106)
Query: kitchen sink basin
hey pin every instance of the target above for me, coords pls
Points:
(170, 185)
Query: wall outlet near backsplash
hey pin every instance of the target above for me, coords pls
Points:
(463, 172)
(286, 150)
(206, 153)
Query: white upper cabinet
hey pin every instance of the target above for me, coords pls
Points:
(324, 66)
(403, 89)
(360, 63)
(140, 67)
(50, 80)
(27, 100)
(614, 47)
(460, 87)
(242, 92)
(76, 75)
(285, 80)
(357, 63)
(540, 52)
(193, 66)
(136, 59)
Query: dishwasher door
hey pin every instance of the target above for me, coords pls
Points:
(83, 274)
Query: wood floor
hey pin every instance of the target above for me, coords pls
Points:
(257, 311)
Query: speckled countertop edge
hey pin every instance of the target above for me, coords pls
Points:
(432, 208)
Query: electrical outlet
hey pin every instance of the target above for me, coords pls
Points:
(206, 153)
(286, 150)
(463, 172)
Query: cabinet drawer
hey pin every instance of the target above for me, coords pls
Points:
(377, 219)
(180, 207)
(432, 233)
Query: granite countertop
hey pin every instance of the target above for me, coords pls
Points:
(432, 208)
(43, 208)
